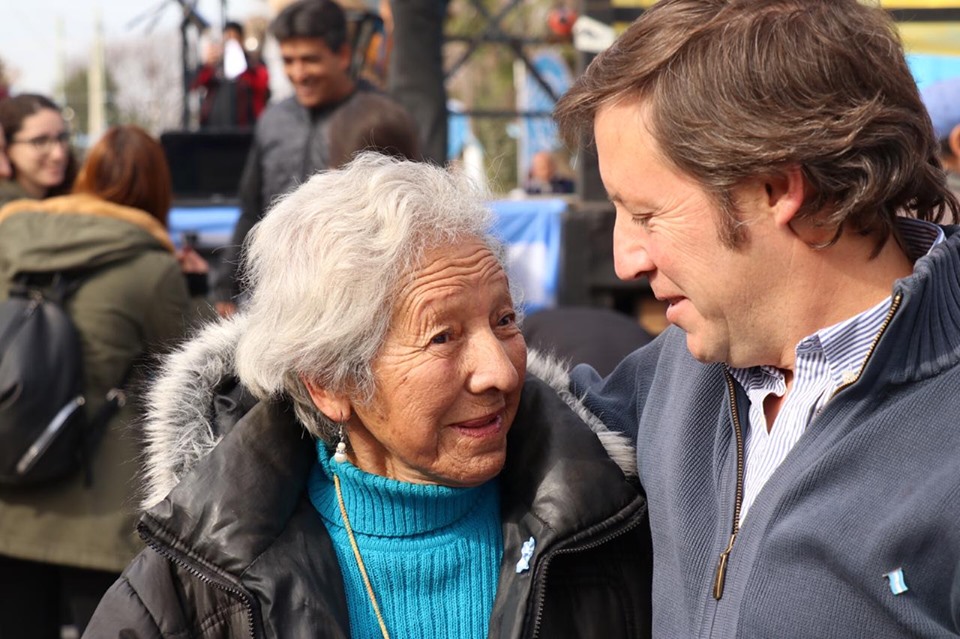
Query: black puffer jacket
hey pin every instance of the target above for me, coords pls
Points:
(237, 550)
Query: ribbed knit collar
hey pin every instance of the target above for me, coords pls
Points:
(386, 507)
(924, 336)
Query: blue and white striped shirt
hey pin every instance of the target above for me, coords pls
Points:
(826, 360)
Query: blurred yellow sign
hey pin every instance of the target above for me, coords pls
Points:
(930, 27)
(937, 38)
(886, 4)
(917, 4)
(927, 26)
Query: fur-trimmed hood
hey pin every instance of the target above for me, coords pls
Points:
(181, 424)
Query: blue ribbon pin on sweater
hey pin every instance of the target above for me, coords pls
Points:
(897, 583)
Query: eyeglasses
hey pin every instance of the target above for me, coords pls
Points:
(44, 143)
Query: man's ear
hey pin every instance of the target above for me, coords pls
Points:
(334, 405)
(785, 192)
(343, 57)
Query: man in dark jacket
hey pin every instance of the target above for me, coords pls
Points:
(775, 178)
(290, 139)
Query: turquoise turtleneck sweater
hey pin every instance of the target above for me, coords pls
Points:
(432, 552)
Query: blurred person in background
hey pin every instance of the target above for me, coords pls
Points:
(63, 544)
(377, 123)
(543, 178)
(291, 139)
(236, 85)
(942, 100)
(38, 147)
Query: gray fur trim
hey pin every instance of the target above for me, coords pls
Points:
(556, 373)
(178, 426)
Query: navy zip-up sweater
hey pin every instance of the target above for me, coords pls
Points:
(871, 488)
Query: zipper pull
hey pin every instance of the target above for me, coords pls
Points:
(721, 575)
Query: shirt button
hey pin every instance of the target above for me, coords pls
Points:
(849, 377)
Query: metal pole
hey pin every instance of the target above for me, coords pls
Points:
(96, 86)
(184, 56)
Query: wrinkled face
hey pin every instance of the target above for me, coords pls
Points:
(4, 162)
(448, 378)
(319, 76)
(39, 153)
(667, 229)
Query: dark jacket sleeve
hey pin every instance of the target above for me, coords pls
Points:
(144, 602)
(251, 210)
(122, 613)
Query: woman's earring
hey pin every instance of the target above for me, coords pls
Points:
(340, 455)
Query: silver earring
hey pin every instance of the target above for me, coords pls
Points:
(340, 455)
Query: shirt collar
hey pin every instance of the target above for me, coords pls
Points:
(843, 344)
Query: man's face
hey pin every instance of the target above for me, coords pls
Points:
(319, 76)
(667, 229)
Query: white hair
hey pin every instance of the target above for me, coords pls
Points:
(326, 263)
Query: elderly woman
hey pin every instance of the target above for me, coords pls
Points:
(439, 492)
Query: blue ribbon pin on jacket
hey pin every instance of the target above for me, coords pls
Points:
(526, 552)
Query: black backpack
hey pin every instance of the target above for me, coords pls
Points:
(44, 430)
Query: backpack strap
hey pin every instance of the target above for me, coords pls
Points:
(115, 399)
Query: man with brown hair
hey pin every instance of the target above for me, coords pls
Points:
(775, 177)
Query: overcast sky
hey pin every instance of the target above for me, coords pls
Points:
(28, 30)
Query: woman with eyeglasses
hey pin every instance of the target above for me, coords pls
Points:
(38, 146)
